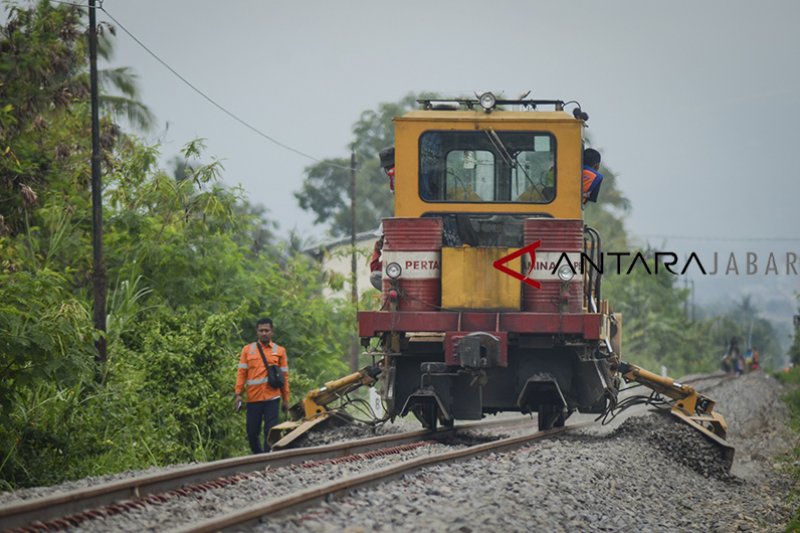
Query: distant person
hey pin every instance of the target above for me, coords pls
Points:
(264, 369)
(748, 359)
(591, 179)
(756, 361)
(727, 363)
(736, 356)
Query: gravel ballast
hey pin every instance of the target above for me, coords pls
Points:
(647, 473)
(614, 480)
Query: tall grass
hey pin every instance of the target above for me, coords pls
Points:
(792, 399)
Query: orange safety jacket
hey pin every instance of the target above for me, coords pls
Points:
(375, 261)
(590, 180)
(252, 373)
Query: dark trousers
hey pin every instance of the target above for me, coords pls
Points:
(258, 412)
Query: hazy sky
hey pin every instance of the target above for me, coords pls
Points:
(693, 104)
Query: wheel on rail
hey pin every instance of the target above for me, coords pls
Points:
(427, 414)
(551, 416)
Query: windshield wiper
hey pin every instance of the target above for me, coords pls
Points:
(498, 145)
(512, 162)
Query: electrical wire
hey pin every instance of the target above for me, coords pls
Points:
(211, 100)
(654, 400)
(361, 406)
(727, 239)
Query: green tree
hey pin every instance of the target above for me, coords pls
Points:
(187, 288)
(326, 188)
(44, 87)
(656, 330)
(191, 265)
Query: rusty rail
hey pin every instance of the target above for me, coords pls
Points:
(62, 510)
(305, 498)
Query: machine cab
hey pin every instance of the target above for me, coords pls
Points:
(488, 161)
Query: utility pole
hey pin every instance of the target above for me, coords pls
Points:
(688, 296)
(98, 269)
(353, 264)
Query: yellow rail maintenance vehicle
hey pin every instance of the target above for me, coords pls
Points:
(475, 318)
(485, 304)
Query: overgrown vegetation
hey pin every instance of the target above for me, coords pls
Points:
(792, 399)
(191, 266)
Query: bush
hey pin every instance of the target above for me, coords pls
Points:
(792, 399)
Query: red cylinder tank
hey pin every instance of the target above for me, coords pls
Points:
(557, 237)
(415, 244)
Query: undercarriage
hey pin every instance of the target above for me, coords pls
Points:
(443, 377)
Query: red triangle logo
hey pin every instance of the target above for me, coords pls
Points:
(500, 264)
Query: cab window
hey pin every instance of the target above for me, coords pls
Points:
(487, 166)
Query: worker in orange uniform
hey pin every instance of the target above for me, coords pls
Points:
(264, 369)
(590, 177)
(375, 262)
(756, 364)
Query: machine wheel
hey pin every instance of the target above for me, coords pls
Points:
(427, 414)
(551, 416)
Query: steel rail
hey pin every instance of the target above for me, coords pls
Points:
(23, 513)
(722, 377)
(308, 497)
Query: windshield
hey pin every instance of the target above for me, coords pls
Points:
(487, 166)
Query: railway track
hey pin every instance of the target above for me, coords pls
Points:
(314, 495)
(69, 509)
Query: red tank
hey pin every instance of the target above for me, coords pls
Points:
(416, 245)
(557, 236)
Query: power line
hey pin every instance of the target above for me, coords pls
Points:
(212, 101)
(726, 239)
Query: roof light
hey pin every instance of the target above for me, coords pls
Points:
(487, 100)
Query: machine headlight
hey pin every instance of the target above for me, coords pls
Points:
(487, 101)
(393, 270)
(565, 273)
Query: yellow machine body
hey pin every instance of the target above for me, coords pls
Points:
(469, 285)
(315, 407)
(466, 282)
(566, 131)
(690, 406)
